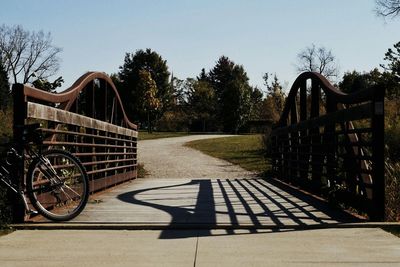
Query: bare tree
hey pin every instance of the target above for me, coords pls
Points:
(387, 8)
(27, 55)
(319, 59)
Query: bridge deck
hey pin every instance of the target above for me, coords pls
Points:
(250, 202)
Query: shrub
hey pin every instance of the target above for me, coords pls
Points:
(173, 121)
(6, 124)
(5, 211)
(392, 142)
(5, 132)
(392, 179)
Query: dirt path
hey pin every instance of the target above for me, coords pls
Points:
(169, 158)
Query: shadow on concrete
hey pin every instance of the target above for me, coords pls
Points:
(245, 206)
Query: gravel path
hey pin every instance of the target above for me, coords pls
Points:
(169, 158)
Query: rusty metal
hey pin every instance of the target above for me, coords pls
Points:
(332, 143)
(89, 120)
(67, 98)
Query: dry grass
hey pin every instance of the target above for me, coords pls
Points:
(392, 191)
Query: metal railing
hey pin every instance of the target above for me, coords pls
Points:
(332, 143)
(87, 119)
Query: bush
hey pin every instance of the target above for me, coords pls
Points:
(392, 142)
(6, 122)
(5, 133)
(5, 211)
(172, 122)
(392, 150)
(392, 179)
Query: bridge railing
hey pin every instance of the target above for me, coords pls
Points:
(332, 143)
(89, 120)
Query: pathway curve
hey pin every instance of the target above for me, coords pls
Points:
(170, 158)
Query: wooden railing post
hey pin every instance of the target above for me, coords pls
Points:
(378, 164)
(304, 138)
(346, 163)
(19, 116)
(316, 159)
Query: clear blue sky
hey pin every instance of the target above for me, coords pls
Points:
(262, 35)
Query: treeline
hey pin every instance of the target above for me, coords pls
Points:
(387, 78)
(218, 100)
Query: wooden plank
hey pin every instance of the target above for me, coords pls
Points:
(42, 112)
(105, 182)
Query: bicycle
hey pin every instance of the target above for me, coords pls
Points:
(57, 184)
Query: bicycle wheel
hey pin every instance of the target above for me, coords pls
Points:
(57, 185)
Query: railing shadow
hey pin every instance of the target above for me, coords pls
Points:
(231, 204)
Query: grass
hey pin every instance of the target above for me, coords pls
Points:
(142, 172)
(143, 135)
(244, 150)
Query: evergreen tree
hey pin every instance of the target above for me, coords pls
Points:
(256, 100)
(203, 76)
(355, 81)
(393, 56)
(232, 92)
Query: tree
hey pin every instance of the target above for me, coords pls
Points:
(256, 100)
(355, 81)
(48, 86)
(202, 76)
(393, 56)
(203, 104)
(318, 59)
(129, 77)
(150, 104)
(27, 54)
(388, 8)
(232, 91)
(4, 88)
(275, 100)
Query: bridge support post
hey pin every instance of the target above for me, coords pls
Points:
(378, 164)
(19, 116)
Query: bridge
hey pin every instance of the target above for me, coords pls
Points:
(327, 147)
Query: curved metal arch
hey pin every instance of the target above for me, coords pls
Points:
(321, 144)
(335, 95)
(69, 96)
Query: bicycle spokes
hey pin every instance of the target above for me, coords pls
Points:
(59, 185)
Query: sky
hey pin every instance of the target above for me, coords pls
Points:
(262, 35)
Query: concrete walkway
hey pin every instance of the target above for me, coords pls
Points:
(329, 247)
(263, 223)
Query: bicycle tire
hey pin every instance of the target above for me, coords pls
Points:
(59, 197)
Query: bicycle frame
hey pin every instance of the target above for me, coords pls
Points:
(6, 177)
(13, 188)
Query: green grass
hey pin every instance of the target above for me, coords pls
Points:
(244, 150)
(155, 135)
